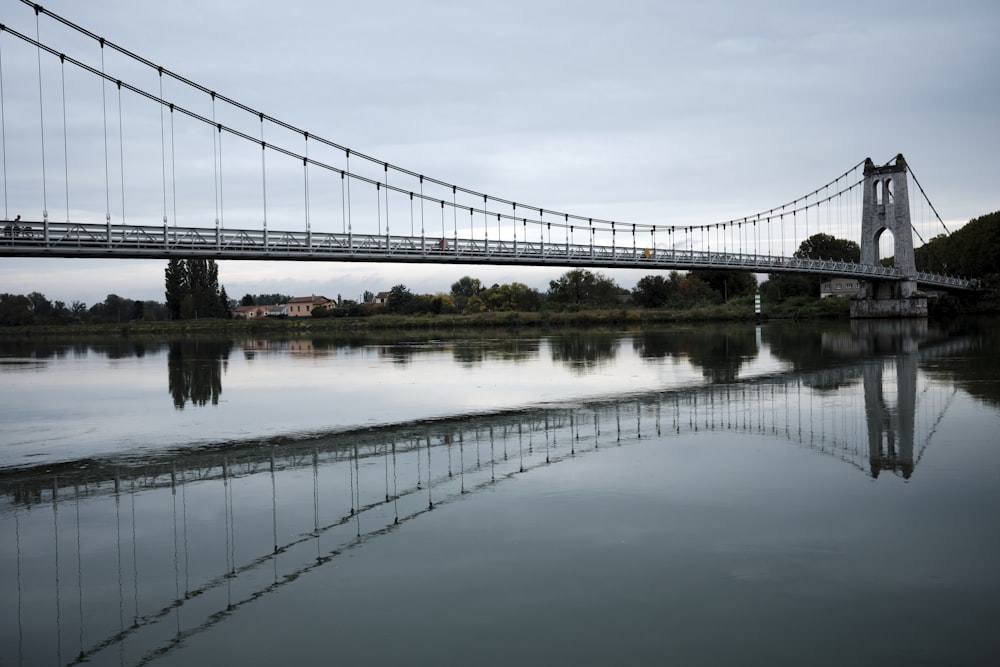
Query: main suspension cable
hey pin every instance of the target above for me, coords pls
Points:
(347, 151)
(927, 199)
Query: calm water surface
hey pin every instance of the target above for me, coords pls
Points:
(782, 495)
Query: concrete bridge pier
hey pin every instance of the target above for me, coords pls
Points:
(886, 207)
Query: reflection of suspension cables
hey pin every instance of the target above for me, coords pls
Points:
(461, 458)
(55, 525)
(118, 541)
(135, 561)
(17, 540)
(357, 491)
(316, 502)
(177, 578)
(430, 479)
(79, 568)
(934, 426)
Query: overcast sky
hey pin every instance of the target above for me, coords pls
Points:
(649, 112)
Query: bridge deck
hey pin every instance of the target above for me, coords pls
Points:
(66, 239)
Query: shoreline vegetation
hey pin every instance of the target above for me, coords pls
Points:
(737, 311)
(197, 303)
(625, 316)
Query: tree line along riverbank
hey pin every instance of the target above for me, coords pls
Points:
(734, 311)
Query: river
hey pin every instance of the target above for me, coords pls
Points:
(794, 493)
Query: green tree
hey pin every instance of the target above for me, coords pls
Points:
(824, 246)
(40, 306)
(15, 310)
(193, 291)
(225, 308)
(972, 251)
(582, 288)
(729, 284)
(510, 297)
(464, 289)
(113, 310)
(693, 292)
(176, 286)
(400, 298)
(654, 291)
(780, 286)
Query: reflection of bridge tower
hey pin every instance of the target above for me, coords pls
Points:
(886, 207)
(891, 429)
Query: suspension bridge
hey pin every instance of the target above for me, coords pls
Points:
(269, 512)
(142, 162)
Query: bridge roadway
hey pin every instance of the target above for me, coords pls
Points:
(82, 240)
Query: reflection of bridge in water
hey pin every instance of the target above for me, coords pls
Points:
(202, 533)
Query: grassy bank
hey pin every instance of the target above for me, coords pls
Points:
(617, 317)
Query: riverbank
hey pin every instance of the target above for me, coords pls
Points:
(616, 317)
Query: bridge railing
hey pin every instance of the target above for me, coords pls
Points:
(940, 280)
(70, 239)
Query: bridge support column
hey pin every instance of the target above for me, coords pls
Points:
(886, 207)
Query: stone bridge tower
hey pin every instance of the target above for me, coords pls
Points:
(886, 207)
